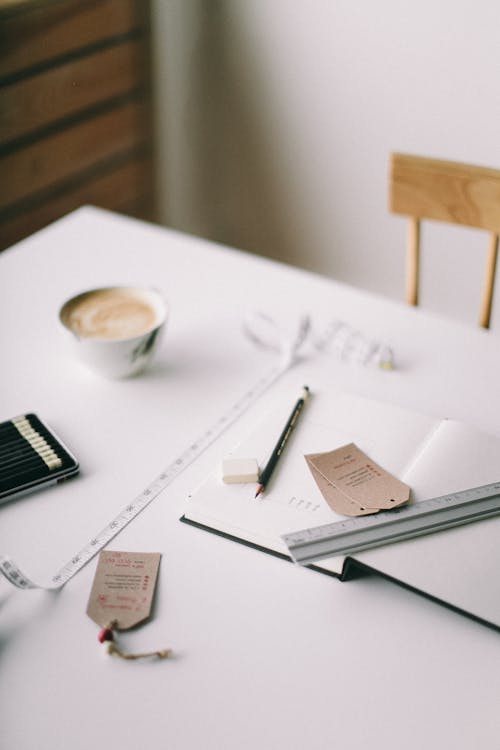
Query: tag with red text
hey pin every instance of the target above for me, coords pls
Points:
(354, 485)
(123, 588)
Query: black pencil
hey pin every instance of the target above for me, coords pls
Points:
(19, 447)
(15, 458)
(282, 441)
(8, 426)
(16, 467)
(27, 476)
(14, 425)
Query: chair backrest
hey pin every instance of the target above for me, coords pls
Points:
(423, 188)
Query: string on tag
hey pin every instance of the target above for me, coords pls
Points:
(123, 590)
(107, 638)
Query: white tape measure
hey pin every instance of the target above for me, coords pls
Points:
(365, 532)
(289, 353)
(13, 573)
(264, 332)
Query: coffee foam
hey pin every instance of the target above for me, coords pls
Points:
(111, 314)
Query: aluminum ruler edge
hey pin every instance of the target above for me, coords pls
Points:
(12, 572)
(354, 535)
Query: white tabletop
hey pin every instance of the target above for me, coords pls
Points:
(267, 655)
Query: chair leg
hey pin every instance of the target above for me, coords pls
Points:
(489, 282)
(413, 261)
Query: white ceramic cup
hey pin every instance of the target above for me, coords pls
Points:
(115, 330)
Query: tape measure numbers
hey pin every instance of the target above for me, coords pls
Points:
(262, 330)
(15, 575)
(366, 532)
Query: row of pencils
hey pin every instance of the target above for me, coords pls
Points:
(25, 454)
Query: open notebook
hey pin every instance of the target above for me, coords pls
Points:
(459, 567)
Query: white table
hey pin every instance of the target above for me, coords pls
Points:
(268, 655)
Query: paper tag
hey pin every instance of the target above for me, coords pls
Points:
(337, 500)
(123, 588)
(354, 485)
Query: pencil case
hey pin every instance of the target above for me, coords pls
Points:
(31, 457)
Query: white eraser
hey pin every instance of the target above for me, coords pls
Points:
(240, 470)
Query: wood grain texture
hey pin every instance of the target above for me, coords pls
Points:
(413, 262)
(489, 283)
(445, 191)
(52, 160)
(75, 110)
(44, 99)
(40, 32)
(121, 188)
(423, 188)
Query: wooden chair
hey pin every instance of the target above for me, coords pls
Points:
(422, 188)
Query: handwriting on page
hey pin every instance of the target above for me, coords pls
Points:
(298, 503)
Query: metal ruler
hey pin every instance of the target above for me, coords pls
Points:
(365, 532)
(15, 575)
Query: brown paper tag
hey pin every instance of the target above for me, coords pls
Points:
(353, 484)
(336, 499)
(123, 588)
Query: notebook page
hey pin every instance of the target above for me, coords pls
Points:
(292, 501)
(460, 566)
(456, 458)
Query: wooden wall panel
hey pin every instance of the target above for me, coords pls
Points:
(38, 101)
(33, 33)
(44, 164)
(75, 110)
(121, 188)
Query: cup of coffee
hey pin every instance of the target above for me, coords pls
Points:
(116, 329)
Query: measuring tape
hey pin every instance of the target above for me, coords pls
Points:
(15, 575)
(289, 353)
(365, 532)
(264, 332)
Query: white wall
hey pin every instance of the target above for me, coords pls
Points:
(276, 119)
